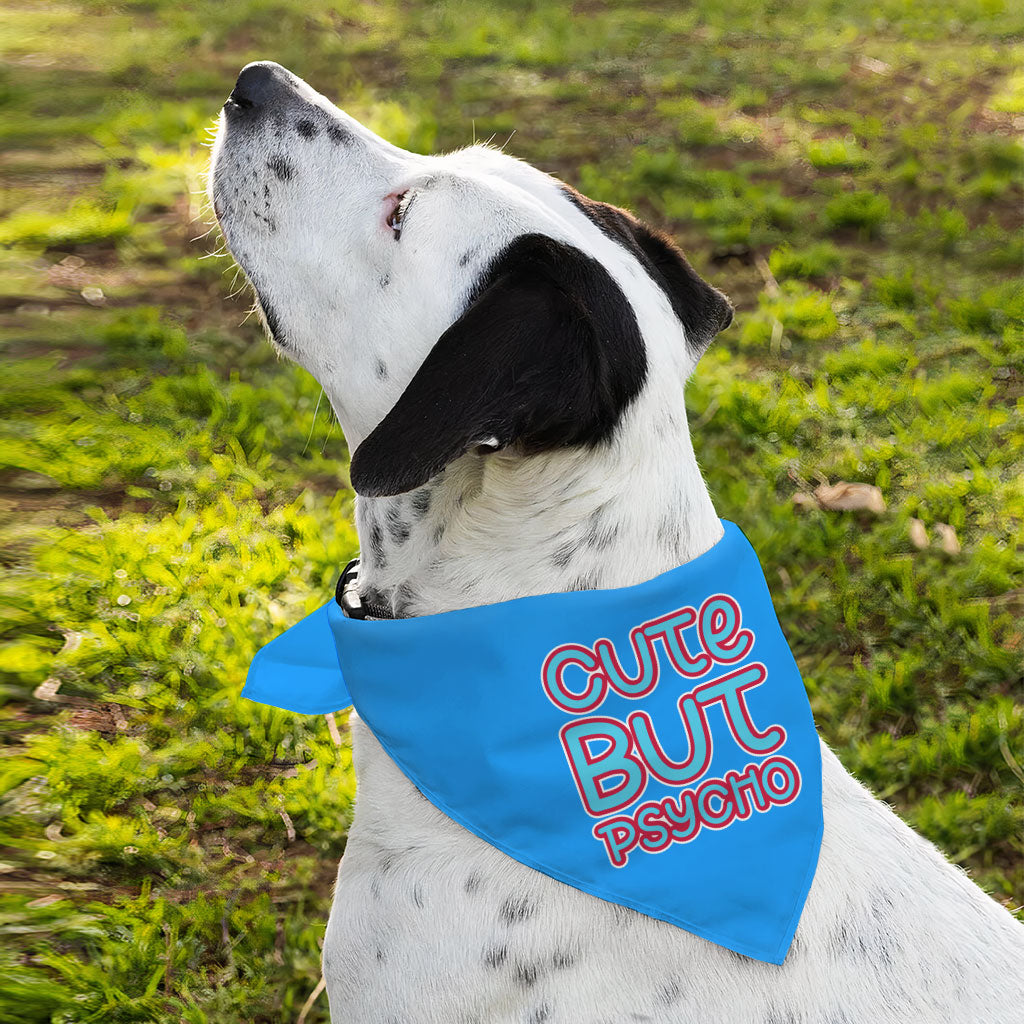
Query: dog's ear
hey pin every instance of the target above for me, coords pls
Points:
(702, 309)
(547, 354)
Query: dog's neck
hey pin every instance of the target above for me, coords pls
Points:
(500, 526)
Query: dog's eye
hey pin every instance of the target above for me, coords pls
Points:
(397, 214)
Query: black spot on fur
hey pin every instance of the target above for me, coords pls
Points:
(307, 129)
(516, 909)
(381, 370)
(526, 974)
(669, 993)
(438, 533)
(384, 280)
(421, 502)
(465, 258)
(381, 955)
(496, 956)
(601, 532)
(338, 135)
(540, 1014)
(417, 897)
(386, 864)
(403, 602)
(588, 581)
(472, 884)
(563, 359)
(668, 530)
(283, 168)
(624, 916)
(606, 537)
(563, 554)
(702, 310)
(398, 528)
(377, 544)
(563, 959)
(594, 525)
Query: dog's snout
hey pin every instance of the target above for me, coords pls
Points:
(261, 84)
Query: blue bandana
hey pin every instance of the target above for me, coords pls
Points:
(652, 745)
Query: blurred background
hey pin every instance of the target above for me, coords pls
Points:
(172, 495)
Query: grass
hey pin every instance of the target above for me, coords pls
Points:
(172, 496)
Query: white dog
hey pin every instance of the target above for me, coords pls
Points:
(507, 360)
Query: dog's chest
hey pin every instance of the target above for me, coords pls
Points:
(434, 924)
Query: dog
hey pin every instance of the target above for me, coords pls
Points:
(507, 360)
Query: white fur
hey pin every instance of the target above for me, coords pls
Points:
(429, 923)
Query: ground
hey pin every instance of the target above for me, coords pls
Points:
(172, 495)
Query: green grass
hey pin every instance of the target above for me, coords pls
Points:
(172, 496)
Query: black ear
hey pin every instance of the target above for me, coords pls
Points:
(547, 354)
(703, 310)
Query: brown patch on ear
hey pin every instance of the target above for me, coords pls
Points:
(702, 309)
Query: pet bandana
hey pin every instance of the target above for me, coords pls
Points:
(651, 745)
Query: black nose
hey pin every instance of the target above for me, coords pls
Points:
(261, 84)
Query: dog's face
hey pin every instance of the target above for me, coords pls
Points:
(447, 304)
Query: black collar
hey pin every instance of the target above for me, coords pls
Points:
(347, 595)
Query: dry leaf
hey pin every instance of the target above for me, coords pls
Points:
(44, 901)
(804, 500)
(846, 497)
(874, 65)
(947, 538)
(47, 689)
(918, 534)
(288, 826)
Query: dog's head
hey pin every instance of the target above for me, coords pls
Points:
(447, 304)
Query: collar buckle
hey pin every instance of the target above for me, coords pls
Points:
(347, 592)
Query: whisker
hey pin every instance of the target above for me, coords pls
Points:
(241, 288)
(312, 426)
(328, 437)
